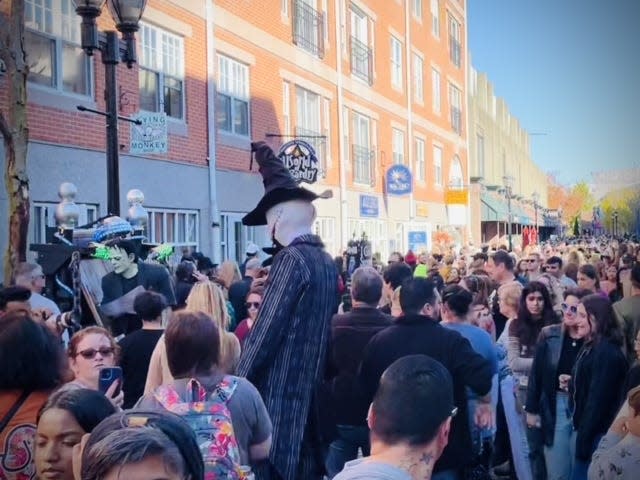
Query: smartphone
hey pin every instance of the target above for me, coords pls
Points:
(107, 376)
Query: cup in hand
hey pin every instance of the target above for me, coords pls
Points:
(564, 381)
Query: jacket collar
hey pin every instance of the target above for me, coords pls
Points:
(415, 319)
(308, 239)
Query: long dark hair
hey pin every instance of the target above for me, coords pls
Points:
(525, 327)
(31, 356)
(606, 326)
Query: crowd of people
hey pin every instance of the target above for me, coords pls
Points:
(454, 365)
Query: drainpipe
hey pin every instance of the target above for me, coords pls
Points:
(344, 234)
(211, 130)
(465, 97)
(409, 57)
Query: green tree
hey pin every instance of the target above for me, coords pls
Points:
(576, 227)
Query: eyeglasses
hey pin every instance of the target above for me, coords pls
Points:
(252, 305)
(90, 353)
(569, 308)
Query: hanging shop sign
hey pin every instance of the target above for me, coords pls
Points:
(399, 180)
(300, 159)
(456, 197)
(151, 135)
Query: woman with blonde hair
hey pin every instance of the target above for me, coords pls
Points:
(229, 273)
(208, 298)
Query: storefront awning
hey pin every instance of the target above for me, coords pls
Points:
(520, 217)
(492, 209)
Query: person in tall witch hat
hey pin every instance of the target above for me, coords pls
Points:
(284, 356)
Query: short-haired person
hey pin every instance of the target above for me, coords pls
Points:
(627, 313)
(193, 348)
(30, 275)
(137, 347)
(393, 276)
(417, 331)
(137, 445)
(500, 268)
(407, 439)
(350, 334)
(15, 299)
(554, 267)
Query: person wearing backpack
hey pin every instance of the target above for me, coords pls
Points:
(227, 414)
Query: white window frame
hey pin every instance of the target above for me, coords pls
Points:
(456, 174)
(237, 251)
(43, 215)
(396, 63)
(421, 166)
(284, 8)
(436, 90)
(454, 36)
(376, 232)
(325, 228)
(437, 165)
(157, 60)
(286, 108)
(418, 78)
(236, 86)
(435, 18)
(417, 9)
(362, 138)
(397, 140)
(62, 29)
(309, 117)
(455, 104)
(162, 215)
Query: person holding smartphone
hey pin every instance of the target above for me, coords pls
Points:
(93, 353)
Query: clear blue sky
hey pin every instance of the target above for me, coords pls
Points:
(567, 68)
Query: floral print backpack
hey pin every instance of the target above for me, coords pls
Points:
(209, 417)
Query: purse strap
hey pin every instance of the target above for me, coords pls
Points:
(14, 409)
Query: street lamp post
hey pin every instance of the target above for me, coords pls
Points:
(508, 183)
(615, 223)
(126, 14)
(536, 198)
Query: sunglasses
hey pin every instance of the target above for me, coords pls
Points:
(569, 308)
(90, 353)
(252, 304)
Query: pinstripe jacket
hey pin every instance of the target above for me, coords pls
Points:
(284, 355)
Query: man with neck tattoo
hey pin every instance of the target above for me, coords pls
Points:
(406, 438)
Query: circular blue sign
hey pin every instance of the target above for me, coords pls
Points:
(399, 180)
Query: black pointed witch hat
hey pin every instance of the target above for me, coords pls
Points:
(279, 185)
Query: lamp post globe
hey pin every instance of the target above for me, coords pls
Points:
(89, 10)
(127, 14)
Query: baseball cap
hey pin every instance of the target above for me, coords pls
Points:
(252, 249)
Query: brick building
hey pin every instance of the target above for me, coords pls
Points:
(369, 83)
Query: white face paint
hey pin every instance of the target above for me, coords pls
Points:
(289, 220)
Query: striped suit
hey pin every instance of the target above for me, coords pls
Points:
(284, 355)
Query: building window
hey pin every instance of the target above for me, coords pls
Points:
(284, 8)
(420, 160)
(325, 228)
(480, 154)
(435, 91)
(308, 27)
(232, 99)
(456, 109)
(309, 124)
(376, 232)
(417, 9)
(418, 78)
(361, 53)
(435, 18)
(345, 135)
(362, 155)
(178, 227)
(456, 177)
(286, 108)
(455, 50)
(161, 73)
(398, 146)
(437, 165)
(396, 62)
(52, 44)
(44, 216)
